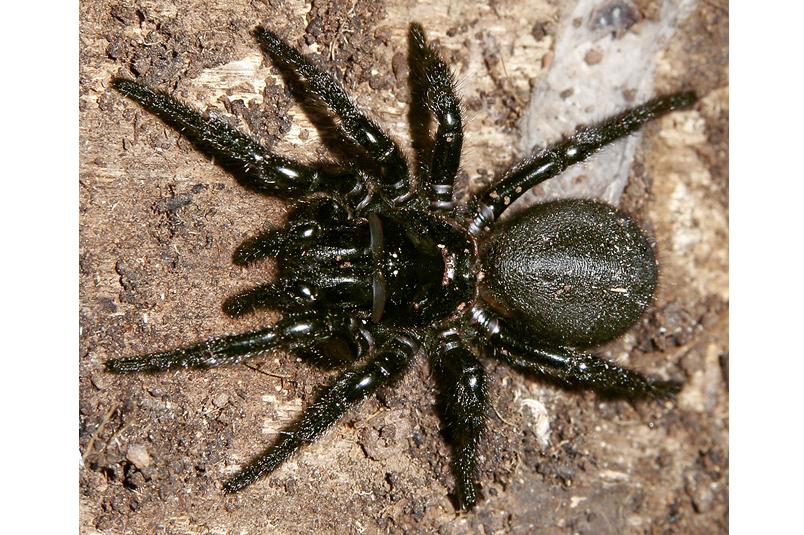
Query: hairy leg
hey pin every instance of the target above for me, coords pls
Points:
(292, 331)
(438, 89)
(566, 365)
(332, 403)
(487, 206)
(462, 383)
(240, 154)
(356, 127)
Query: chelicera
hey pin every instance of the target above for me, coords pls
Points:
(377, 266)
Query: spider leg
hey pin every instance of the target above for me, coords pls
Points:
(282, 294)
(240, 154)
(356, 127)
(566, 365)
(316, 286)
(308, 241)
(487, 206)
(332, 403)
(462, 383)
(292, 331)
(306, 221)
(320, 267)
(438, 88)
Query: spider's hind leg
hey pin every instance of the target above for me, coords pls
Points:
(568, 366)
(491, 203)
(462, 384)
(347, 390)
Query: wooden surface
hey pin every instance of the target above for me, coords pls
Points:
(159, 224)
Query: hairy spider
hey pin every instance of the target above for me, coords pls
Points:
(374, 265)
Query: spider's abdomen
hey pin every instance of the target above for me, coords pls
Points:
(574, 272)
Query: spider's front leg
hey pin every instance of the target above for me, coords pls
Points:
(325, 261)
(356, 127)
(566, 365)
(462, 383)
(238, 153)
(432, 78)
(353, 386)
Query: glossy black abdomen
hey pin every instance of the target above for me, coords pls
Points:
(573, 272)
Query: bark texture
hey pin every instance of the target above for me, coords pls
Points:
(159, 224)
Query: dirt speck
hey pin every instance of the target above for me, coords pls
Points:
(593, 57)
(138, 454)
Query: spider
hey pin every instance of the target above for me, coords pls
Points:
(376, 265)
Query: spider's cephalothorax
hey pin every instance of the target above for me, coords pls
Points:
(374, 264)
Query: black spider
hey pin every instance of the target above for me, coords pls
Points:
(375, 264)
